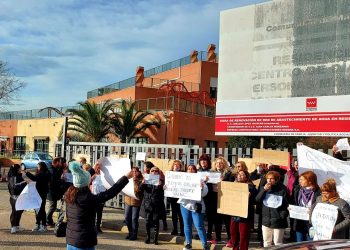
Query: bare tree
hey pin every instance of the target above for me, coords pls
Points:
(9, 85)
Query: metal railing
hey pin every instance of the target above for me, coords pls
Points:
(187, 154)
(202, 56)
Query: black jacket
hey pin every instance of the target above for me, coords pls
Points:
(153, 200)
(16, 182)
(274, 217)
(55, 187)
(42, 182)
(81, 215)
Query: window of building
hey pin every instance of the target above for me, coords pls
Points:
(19, 145)
(211, 144)
(213, 87)
(140, 140)
(41, 145)
(186, 141)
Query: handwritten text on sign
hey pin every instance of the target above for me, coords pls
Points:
(323, 219)
(182, 185)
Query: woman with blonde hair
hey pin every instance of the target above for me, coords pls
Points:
(220, 164)
(176, 216)
(331, 196)
(240, 165)
(304, 195)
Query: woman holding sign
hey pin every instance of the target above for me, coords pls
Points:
(240, 227)
(177, 166)
(220, 165)
(273, 196)
(305, 195)
(152, 208)
(193, 213)
(81, 207)
(330, 196)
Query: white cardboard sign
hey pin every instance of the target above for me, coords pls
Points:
(323, 219)
(112, 170)
(182, 185)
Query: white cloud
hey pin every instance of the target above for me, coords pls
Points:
(63, 49)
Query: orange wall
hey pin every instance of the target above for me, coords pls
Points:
(185, 125)
(208, 70)
(188, 73)
(8, 128)
(123, 93)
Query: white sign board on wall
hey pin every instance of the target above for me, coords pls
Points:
(283, 70)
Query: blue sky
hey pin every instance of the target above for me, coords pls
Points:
(63, 49)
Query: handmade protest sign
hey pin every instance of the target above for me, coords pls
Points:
(323, 219)
(343, 144)
(272, 200)
(281, 158)
(141, 156)
(151, 179)
(233, 198)
(29, 198)
(162, 164)
(111, 171)
(182, 185)
(300, 213)
(325, 166)
(213, 177)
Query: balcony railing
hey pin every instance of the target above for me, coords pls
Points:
(150, 104)
(202, 56)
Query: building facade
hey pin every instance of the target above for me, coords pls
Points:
(182, 93)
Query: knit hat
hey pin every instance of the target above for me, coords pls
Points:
(81, 178)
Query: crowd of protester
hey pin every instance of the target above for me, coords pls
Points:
(80, 185)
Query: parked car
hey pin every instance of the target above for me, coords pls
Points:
(30, 160)
(315, 245)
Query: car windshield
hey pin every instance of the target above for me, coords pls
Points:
(46, 157)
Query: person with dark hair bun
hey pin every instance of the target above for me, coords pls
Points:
(16, 184)
(42, 179)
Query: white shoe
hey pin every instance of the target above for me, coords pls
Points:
(42, 229)
(36, 228)
(20, 229)
(13, 230)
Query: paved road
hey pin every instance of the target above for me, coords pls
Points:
(112, 238)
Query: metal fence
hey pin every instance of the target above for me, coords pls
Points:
(187, 154)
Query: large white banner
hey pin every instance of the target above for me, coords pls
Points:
(325, 166)
(114, 168)
(183, 185)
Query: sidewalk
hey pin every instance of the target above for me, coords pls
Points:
(113, 219)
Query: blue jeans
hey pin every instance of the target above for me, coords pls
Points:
(197, 219)
(132, 219)
(302, 236)
(70, 247)
(302, 231)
